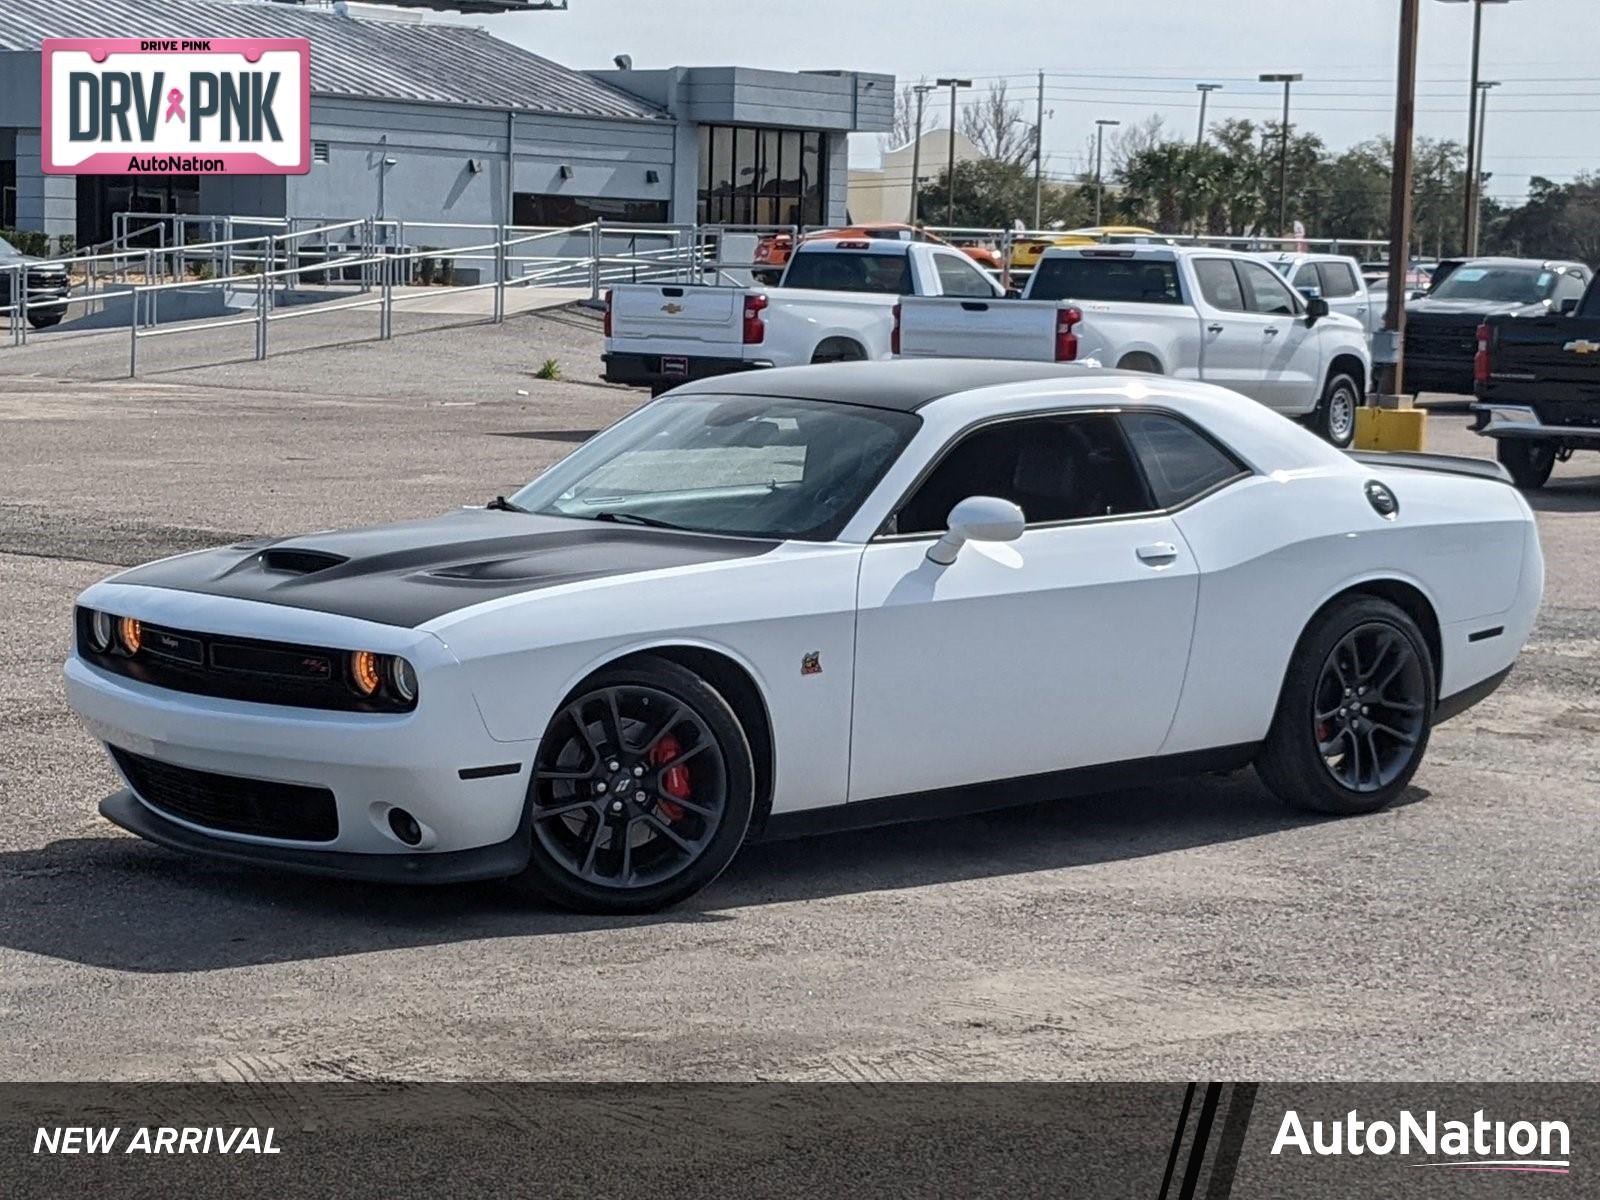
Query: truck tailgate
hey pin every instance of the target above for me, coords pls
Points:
(1551, 350)
(687, 315)
(949, 328)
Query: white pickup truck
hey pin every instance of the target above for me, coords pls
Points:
(1215, 315)
(835, 303)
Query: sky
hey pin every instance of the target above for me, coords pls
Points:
(1128, 59)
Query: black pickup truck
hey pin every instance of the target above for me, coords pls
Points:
(1538, 387)
(43, 281)
(1442, 327)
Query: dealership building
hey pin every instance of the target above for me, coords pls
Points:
(423, 120)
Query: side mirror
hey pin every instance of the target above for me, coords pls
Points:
(1569, 306)
(1316, 309)
(977, 519)
(1013, 293)
(1419, 294)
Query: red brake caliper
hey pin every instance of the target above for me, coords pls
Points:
(674, 781)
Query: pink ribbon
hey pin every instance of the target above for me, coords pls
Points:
(175, 105)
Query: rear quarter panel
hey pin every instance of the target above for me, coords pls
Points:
(1274, 549)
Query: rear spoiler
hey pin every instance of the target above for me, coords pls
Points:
(1448, 464)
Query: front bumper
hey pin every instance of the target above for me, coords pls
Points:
(432, 762)
(669, 370)
(1447, 376)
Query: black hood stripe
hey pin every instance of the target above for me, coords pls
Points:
(414, 572)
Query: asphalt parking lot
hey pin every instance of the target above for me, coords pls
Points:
(1190, 931)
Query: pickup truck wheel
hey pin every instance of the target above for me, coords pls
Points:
(1335, 418)
(1530, 463)
(43, 320)
(837, 350)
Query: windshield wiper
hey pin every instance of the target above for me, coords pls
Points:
(501, 504)
(627, 518)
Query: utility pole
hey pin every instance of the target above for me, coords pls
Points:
(1392, 382)
(954, 85)
(1288, 82)
(922, 90)
(1099, 163)
(1205, 90)
(1469, 216)
(1038, 160)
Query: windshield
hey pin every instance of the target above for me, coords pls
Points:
(846, 271)
(7, 250)
(750, 466)
(1131, 280)
(1513, 285)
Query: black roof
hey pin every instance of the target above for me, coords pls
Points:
(903, 385)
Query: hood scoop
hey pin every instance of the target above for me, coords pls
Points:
(299, 562)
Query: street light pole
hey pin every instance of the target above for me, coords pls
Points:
(954, 85)
(1405, 121)
(1205, 90)
(1477, 170)
(1288, 82)
(1469, 216)
(1038, 160)
(1100, 127)
(922, 90)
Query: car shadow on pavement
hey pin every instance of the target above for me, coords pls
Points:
(1566, 494)
(123, 904)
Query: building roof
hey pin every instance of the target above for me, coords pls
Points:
(384, 60)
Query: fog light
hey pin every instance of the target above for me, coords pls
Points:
(403, 679)
(364, 673)
(131, 634)
(405, 826)
(101, 630)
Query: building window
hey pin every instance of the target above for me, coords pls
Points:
(529, 208)
(754, 176)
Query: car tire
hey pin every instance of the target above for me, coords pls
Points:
(1529, 462)
(1355, 713)
(634, 837)
(44, 320)
(1335, 418)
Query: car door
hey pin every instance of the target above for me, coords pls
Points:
(1230, 336)
(1062, 649)
(1291, 350)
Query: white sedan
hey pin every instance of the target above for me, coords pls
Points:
(809, 598)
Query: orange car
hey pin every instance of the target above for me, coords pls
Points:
(772, 251)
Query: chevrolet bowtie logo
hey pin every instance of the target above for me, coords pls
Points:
(673, 310)
(1582, 346)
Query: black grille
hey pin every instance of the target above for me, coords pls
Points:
(255, 806)
(1442, 341)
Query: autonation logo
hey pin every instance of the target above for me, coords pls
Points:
(1477, 1145)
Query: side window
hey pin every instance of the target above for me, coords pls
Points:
(1059, 468)
(1307, 277)
(1338, 280)
(1179, 461)
(1264, 292)
(1218, 284)
(958, 277)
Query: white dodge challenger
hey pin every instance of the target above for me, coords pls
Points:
(813, 597)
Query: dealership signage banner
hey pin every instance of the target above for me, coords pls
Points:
(171, 106)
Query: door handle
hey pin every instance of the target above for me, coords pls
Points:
(1271, 331)
(1214, 328)
(1157, 554)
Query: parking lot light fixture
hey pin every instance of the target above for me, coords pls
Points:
(1288, 81)
(1100, 127)
(955, 85)
(1205, 90)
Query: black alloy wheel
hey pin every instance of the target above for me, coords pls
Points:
(641, 793)
(1369, 711)
(1356, 710)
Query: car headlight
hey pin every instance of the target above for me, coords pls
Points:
(403, 679)
(130, 632)
(102, 628)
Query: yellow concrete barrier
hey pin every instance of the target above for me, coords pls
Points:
(1391, 428)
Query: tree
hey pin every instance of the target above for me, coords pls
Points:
(992, 194)
(996, 126)
(904, 125)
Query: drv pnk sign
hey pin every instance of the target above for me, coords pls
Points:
(169, 106)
